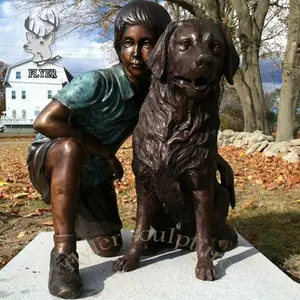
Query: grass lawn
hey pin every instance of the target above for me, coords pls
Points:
(267, 213)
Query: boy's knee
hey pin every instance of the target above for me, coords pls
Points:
(106, 246)
(69, 146)
(65, 150)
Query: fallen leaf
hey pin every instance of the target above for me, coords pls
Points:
(19, 203)
(20, 196)
(38, 212)
(14, 212)
(248, 204)
(280, 178)
(295, 180)
(35, 213)
(21, 234)
(47, 209)
(3, 183)
(47, 223)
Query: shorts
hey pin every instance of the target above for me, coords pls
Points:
(97, 211)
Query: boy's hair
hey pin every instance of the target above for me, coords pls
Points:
(140, 12)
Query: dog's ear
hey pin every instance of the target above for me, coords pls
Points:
(232, 60)
(158, 58)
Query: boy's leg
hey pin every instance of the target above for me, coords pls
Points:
(64, 163)
(98, 219)
(60, 162)
(106, 246)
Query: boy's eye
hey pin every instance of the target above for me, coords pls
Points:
(147, 43)
(127, 43)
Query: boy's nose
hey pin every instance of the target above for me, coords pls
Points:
(137, 51)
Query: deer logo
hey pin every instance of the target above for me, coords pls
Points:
(39, 45)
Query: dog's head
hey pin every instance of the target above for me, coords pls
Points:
(193, 55)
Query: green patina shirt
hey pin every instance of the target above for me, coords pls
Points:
(101, 103)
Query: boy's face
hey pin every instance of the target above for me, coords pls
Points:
(137, 43)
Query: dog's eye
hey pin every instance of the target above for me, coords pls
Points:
(216, 46)
(184, 45)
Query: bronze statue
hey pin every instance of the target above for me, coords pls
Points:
(175, 145)
(72, 162)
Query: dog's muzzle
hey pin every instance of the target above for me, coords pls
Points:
(200, 84)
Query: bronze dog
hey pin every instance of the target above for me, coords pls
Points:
(175, 144)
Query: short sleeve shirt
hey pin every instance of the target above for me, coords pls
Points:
(101, 103)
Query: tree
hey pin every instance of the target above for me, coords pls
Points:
(231, 112)
(3, 69)
(98, 14)
(244, 18)
(290, 91)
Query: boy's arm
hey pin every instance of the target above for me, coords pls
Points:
(53, 122)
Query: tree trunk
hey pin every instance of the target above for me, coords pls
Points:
(250, 90)
(244, 94)
(290, 90)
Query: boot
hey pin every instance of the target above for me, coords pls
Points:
(64, 280)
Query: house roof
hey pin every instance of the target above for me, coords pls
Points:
(6, 83)
(69, 75)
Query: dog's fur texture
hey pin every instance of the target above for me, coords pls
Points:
(175, 143)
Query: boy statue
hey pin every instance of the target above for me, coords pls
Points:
(72, 161)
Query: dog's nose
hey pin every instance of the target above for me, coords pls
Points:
(203, 60)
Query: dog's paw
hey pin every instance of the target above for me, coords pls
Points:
(205, 270)
(125, 263)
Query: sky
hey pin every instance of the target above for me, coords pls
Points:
(78, 54)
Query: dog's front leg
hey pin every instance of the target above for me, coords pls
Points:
(203, 202)
(146, 208)
(201, 185)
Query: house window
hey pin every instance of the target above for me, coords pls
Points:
(23, 94)
(23, 113)
(49, 94)
(14, 113)
(36, 113)
(13, 95)
(18, 75)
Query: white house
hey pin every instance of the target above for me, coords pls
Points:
(29, 88)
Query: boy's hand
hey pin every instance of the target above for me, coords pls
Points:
(116, 167)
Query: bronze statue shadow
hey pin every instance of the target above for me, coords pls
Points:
(94, 277)
(222, 264)
(162, 255)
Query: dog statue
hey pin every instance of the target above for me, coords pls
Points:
(175, 151)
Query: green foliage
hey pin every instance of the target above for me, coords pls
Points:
(231, 112)
(231, 122)
(272, 116)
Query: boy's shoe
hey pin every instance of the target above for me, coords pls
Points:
(64, 279)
